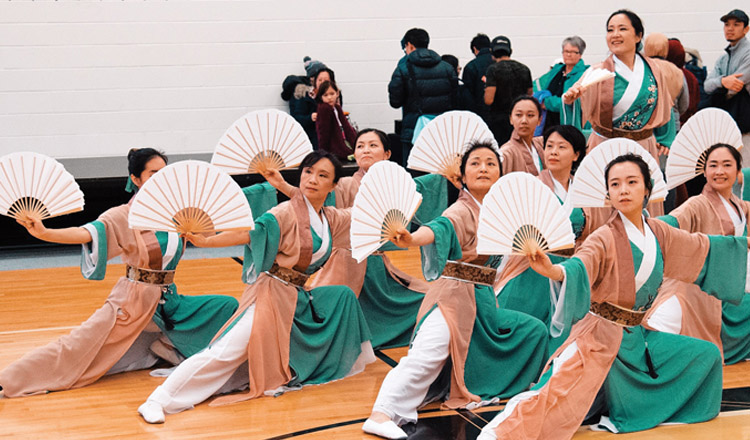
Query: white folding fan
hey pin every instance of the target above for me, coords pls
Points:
(441, 143)
(519, 215)
(386, 202)
(589, 190)
(35, 186)
(261, 140)
(687, 155)
(594, 75)
(190, 197)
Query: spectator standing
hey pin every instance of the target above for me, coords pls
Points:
(729, 82)
(421, 84)
(474, 73)
(464, 99)
(676, 56)
(506, 80)
(335, 134)
(559, 79)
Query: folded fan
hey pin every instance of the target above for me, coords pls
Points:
(704, 129)
(386, 202)
(589, 190)
(35, 186)
(261, 140)
(595, 75)
(520, 215)
(190, 197)
(441, 144)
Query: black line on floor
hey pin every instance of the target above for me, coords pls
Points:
(238, 260)
(385, 358)
(334, 425)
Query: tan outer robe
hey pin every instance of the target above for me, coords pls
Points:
(456, 298)
(516, 156)
(268, 347)
(91, 349)
(342, 269)
(701, 313)
(557, 411)
(517, 264)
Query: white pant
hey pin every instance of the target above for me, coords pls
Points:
(405, 387)
(203, 374)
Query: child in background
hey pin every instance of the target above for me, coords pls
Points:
(335, 134)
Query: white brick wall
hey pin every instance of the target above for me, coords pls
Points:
(92, 79)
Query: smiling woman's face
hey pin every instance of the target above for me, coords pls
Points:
(482, 170)
(621, 36)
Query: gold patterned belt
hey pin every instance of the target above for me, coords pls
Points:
(470, 273)
(618, 315)
(616, 132)
(287, 275)
(148, 276)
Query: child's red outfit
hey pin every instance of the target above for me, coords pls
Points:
(334, 131)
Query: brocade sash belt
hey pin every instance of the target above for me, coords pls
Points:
(616, 132)
(148, 276)
(289, 276)
(619, 315)
(470, 273)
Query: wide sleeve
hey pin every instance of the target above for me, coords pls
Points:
(715, 263)
(434, 191)
(445, 247)
(107, 240)
(261, 197)
(261, 252)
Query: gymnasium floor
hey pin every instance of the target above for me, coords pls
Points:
(40, 304)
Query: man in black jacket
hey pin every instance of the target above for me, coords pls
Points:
(422, 84)
(475, 70)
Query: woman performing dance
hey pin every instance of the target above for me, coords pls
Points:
(487, 352)
(144, 304)
(610, 364)
(389, 298)
(282, 336)
(681, 307)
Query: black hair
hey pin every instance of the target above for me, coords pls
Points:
(735, 154)
(416, 36)
(314, 78)
(315, 157)
(450, 59)
(381, 135)
(480, 41)
(636, 159)
(475, 145)
(635, 20)
(324, 86)
(574, 137)
(520, 98)
(139, 157)
(499, 53)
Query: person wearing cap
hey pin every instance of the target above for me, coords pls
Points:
(729, 82)
(475, 70)
(506, 80)
(421, 85)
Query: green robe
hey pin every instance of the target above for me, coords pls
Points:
(190, 322)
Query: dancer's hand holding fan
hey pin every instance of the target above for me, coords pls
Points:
(385, 204)
(522, 216)
(260, 141)
(34, 187)
(589, 78)
(442, 142)
(190, 198)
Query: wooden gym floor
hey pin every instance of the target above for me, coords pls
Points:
(37, 306)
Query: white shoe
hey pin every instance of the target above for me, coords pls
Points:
(487, 435)
(151, 412)
(386, 429)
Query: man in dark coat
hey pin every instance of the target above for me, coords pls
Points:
(422, 84)
(475, 70)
